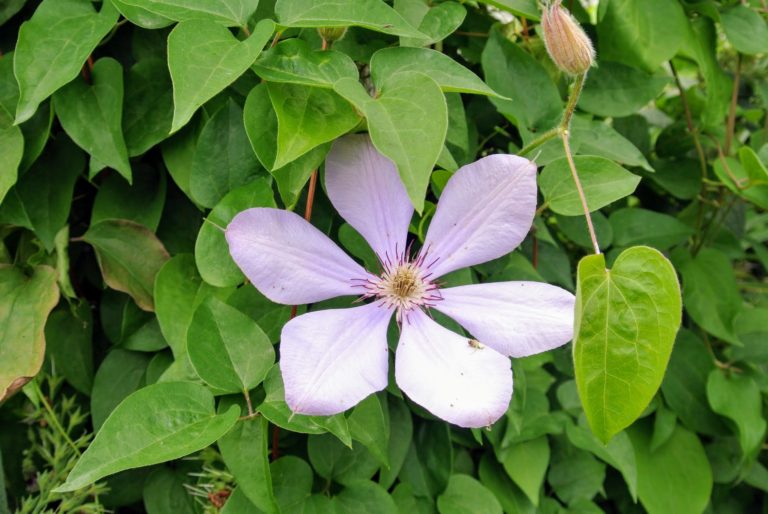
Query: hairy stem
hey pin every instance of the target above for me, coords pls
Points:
(546, 136)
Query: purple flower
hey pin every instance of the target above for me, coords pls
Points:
(332, 359)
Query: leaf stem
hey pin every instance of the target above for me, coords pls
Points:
(689, 122)
(546, 136)
(564, 129)
(731, 124)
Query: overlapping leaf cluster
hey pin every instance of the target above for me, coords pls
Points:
(126, 123)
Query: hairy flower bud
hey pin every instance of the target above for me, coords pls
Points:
(331, 34)
(567, 43)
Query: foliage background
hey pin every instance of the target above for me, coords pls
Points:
(111, 280)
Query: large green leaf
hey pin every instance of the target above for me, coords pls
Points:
(676, 477)
(121, 373)
(11, 152)
(228, 349)
(745, 29)
(223, 157)
(369, 14)
(625, 326)
(244, 450)
(148, 105)
(633, 226)
(641, 33)
(25, 302)
(449, 74)
(368, 425)
(526, 464)
(211, 249)
(524, 8)
(533, 99)
(747, 177)
(142, 201)
(92, 115)
(615, 89)
(364, 497)
(129, 256)
(293, 61)
(407, 122)
(165, 491)
(436, 21)
(225, 12)
(465, 495)
(52, 47)
(68, 334)
(42, 199)
(603, 182)
(710, 291)
(738, 398)
(204, 58)
(155, 424)
(509, 495)
(306, 118)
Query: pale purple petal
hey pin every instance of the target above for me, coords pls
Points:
(445, 374)
(485, 211)
(365, 188)
(513, 318)
(333, 359)
(289, 260)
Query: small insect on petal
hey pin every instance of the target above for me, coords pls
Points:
(474, 343)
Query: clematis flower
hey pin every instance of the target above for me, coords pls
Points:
(332, 359)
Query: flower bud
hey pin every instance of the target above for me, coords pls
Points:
(331, 34)
(567, 43)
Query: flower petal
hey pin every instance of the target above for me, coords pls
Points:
(442, 372)
(289, 260)
(333, 359)
(365, 188)
(485, 211)
(513, 318)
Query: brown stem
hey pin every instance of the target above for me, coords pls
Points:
(689, 121)
(535, 250)
(248, 402)
(731, 125)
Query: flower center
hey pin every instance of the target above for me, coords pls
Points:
(404, 285)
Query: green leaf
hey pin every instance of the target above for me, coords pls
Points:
(524, 8)
(407, 122)
(511, 498)
(533, 101)
(685, 384)
(745, 29)
(42, 198)
(680, 177)
(615, 89)
(228, 349)
(618, 452)
(155, 424)
(293, 61)
(52, 47)
(211, 250)
(400, 436)
(526, 464)
(710, 293)
(575, 228)
(244, 450)
(334, 461)
(276, 410)
(25, 302)
(306, 118)
(141, 201)
(626, 321)
(11, 152)
(178, 291)
(633, 226)
(368, 426)
(261, 125)
(449, 74)
(364, 497)
(745, 178)
(223, 157)
(641, 33)
(603, 182)
(164, 492)
(121, 373)
(292, 177)
(575, 475)
(239, 503)
(436, 22)
(129, 256)
(465, 495)
(68, 335)
(92, 116)
(738, 398)
(148, 105)
(292, 478)
(676, 477)
(229, 13)
(369, 14)
(204, 58)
